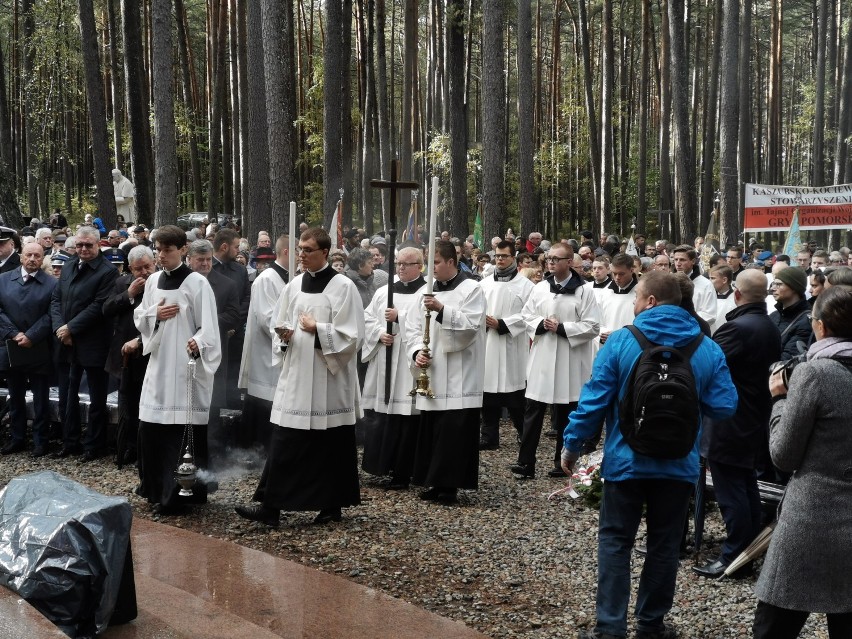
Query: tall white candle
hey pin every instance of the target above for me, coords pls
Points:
(433, 231)
(291, 262)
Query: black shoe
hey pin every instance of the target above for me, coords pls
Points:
(594, 634)
(259, 514)
(167, 510)
(13, 447)
(430, 495)
(447, 496)
(39, 451)
(523, 471)
(556, 472)
(397, 483)
(484, 445)
(713, 570)
(67, 452)
(327, 515)
(666, 632)
(90, 456)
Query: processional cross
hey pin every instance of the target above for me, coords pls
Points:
(395, 186)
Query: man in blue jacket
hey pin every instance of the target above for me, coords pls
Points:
(633, 481)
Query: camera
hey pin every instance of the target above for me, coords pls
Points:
(787, 368)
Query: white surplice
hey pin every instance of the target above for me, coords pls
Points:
(261, 360)
(559, 366)
(724, 305)
(617, 306)
(506, 354)
(374, 352)
(457, 345)
(165, 396)
(318, 387)
(704, 299)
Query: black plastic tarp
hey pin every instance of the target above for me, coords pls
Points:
(63, 549)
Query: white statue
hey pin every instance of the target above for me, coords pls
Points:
(125, 196)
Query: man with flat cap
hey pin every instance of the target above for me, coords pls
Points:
(9, 258)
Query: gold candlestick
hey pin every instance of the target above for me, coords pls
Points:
(422, 386)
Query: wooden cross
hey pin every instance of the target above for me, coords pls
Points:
(395, 186)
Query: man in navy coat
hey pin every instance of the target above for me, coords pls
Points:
(25, 295)
(737, 446)
(84, 334)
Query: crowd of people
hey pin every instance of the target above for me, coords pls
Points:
(425, 360)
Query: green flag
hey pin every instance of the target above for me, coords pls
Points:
(477, 230)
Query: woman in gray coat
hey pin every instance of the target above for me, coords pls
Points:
(809, 564)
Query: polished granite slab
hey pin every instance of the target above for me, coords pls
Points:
(190, 586)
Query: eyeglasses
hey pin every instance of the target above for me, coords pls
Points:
(498, 256)
(554, 260)
(407, 264)
(85, 245)
(300, 249)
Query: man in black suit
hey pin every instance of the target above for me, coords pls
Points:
(125, 360)
(82, 330)
(9, 258)
(25, 296)
(200, 259)
(226, 246)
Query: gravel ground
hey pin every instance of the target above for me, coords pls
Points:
(505, 561)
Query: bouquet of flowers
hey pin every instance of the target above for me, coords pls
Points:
(586, 481)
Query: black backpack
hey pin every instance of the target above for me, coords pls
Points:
(658, 415)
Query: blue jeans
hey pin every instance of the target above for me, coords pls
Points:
(621, 511)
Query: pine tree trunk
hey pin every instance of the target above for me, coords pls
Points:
(493, 116)
(744, 164)
(136, 89)
(527, 196)
(817, 146)
(684, 173)
(189, 104)
(10, 212)
(280, 107)
(256, 213)
(115, 86)
(218, 21)
(409, 79)
(729, 126)
(236, 130)
(382, 104)
(97, 114)
(773, 124)
(842, 173)
(644, 90)
(333, 73)
(457, 109)
(709, 148)
(29, 126)
(606, 133)
(594, 149)
(666, 201)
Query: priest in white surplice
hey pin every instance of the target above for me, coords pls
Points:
(390, 438)
(616, 301)
(506, 345)
(261, 361)
(447, 456)
(562, 318)
(177, 321)
(721, 277)
(313, 462)
(685, 259)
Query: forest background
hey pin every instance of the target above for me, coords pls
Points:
(557, 115)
